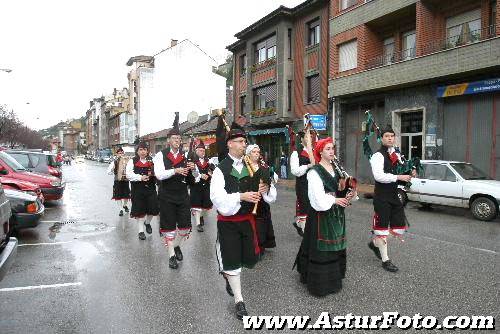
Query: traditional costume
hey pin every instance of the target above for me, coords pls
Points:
(173, 196)
(237, 242)
(389, 217)
(200, 191)
(299, 165)
(264, 223)
(321, 260)
(144, 196)
(121, 186)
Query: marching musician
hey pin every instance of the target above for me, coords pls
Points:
(389, 211)
(200, 190)
(321, 260)
(121, 186)
(265, 231)
(301, 161)
(234, 194)
(140, 172)
(174, 173)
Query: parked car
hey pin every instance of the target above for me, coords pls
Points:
(16, 184)
(51, 186)
(457, 184)
(79, 159)
(26, 209)
(8, 244)
(37, 162)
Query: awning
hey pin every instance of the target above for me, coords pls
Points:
(209, 141)
(264, 132)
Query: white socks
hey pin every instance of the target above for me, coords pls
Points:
(120, 206)
(235, 283)
(141, 225)
(148, 219)
(124, 202)
(197, 215)
(381, 243)
(170, 248)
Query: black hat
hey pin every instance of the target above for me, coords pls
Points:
(175, 127)
(387, 129)
(119, 149)
(200, 144)
(235, 132)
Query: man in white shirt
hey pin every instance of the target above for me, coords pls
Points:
(234, 194)
(389, 215)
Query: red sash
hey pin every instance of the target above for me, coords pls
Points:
(200, 165)
(175, 161)
(241, 218)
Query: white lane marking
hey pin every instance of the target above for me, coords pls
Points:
(454, 243)
(45, 243)
(60, 285)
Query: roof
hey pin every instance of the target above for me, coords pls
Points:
(187, 40)
(139, 59)
(209, 126)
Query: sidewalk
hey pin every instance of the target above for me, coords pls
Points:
(363, 188)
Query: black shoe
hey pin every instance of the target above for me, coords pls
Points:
(178, 253)
(125, 208)
(241, 310)
(121, 213)
(142, 236)
(202, 221)
(228, 287)
(375, 249)
(149, 230)
(389, 266)
(299, 230)
(199, 228)
(172, 262)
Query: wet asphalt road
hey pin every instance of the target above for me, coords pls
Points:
(449, 265)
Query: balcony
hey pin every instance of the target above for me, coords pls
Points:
(443, 59)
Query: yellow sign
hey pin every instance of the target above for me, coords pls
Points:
(455, 90)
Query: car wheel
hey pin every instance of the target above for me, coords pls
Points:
(484, 209)
(402, 197)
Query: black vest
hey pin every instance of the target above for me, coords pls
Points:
(204, 170)
(175, 185)
(386, 189)
(144, 169)
(235, 185)
(301, 181)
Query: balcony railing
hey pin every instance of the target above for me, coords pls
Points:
(434, 46)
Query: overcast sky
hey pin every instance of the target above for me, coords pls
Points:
(64, 53)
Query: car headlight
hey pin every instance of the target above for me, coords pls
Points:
(55, 183)
(32, 207)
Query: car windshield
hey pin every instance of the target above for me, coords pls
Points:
(470, 172)
(11, 162)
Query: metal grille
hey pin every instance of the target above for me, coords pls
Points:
(313, 88)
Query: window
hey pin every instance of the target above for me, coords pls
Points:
(243, 65)
(388, 50)
(289, 95)
(464, 28)
(265, 49)
(313, 89)
(265, 97)
(493, 17)
(289, 43)
(313, 29)
(450, 176)
(409, 45)
(243, 103)
(344, 4)
(35, 160)
(435, 172)
(348, 56)
(22, 159)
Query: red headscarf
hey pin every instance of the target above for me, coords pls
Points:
(320, 145)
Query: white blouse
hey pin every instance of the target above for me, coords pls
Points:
(319, 199)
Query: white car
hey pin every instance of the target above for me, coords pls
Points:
(457, 184)
(79, 159)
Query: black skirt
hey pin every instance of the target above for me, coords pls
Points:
(200, 196)
(321, 271)
(264, 224)
(121, 190)
(144, 201)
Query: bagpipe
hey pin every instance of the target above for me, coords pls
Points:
(403, 166)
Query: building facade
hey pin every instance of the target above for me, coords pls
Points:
(428, 68)
(281, 73)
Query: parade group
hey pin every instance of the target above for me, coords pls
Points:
(178, 186)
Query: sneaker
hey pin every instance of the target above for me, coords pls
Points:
(142, 236)
(121, 213)
(125, 208)
(375, 249)
(228, 287)
(172, 262)
(178, 253)
(149, 230)
(389, 266)
(199, 228)
(299, 230)
(241, 310)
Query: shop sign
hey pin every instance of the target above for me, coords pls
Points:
(318, 122)
(468, 88)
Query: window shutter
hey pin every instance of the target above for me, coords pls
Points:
(348, 56)
(315, 88)
(270, 93)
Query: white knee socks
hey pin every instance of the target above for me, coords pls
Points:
(141, 225)
(235, 283)
(148, 219)
(124, 202)
(170, 248)
(381, 243)
(197, 215)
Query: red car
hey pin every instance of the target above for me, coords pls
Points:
(52, 187)
(16, 184)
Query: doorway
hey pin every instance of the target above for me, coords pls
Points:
(410, 125)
